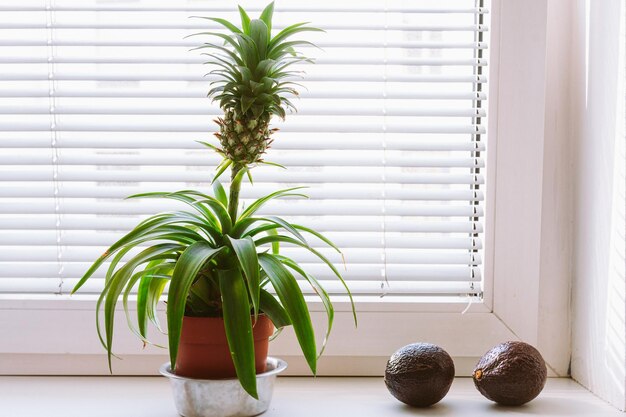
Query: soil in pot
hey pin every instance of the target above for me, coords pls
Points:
(203, 351)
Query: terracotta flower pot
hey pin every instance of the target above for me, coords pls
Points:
(203, 351)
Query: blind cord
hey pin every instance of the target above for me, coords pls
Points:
(50, 20)
(385, 282)
(476, 121)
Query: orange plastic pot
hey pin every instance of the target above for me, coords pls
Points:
(203, 352)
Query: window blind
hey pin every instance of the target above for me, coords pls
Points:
(101, 99)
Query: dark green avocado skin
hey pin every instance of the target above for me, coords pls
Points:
(512, 373)
(419, 374)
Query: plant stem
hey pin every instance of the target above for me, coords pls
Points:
(233, 201)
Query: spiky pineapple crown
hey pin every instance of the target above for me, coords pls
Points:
(253, 70)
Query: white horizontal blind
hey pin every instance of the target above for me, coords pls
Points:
(101, 99)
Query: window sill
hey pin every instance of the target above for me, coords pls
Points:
(303, 397)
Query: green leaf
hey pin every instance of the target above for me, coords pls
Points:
(261, 201)
(275, 245)
(292, 299)
(146, 301)
(287, 239)
(137, 232)
(273, 164)
(202, 290)
(241, 228)
(245, 21)
(249, 54)
(220, 193)
(208, 145)
(287, 226)
(207, 214)
(291, 30)
(236, 309)
(228, 54)
(274, 310)
(222, 22)
(142, 305)
(220, 211)
(258, 32)
(318, 235)
(279, 50)
(154, 269)
(249, 262)
(116, 260)
(246, 103)
(227, 39)
(155, 290)
(221, 168)
(319, 290)
(114, 288)
(187, 267)
(266, 16)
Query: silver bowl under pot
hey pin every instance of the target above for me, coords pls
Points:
(222, 397)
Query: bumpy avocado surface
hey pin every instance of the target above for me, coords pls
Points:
(419, 374)
(511, 373)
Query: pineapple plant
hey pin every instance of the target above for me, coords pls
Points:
(254, 82)
(214, 261)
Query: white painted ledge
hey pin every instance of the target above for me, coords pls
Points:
(294, 396)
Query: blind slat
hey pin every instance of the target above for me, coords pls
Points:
(160, 175)
(356, 8)
(203, 158)
(200, 60)
(212, 111)
(204, 26)
(353, 271)
(167, 42)
(335, 192)
(330, 77)
(294, 141)
(294, 208)
(359, 288)
(352, 256)
(348, 239)
(178, 93)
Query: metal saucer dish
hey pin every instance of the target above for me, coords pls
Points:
(222, 397)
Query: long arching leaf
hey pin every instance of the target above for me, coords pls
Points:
(149, 291)
(117, 283)
(187, 267)
(266, 16)
(319, 290)
(274, 310)
(222, 22)
(287, 239)
(292, 30)
(245, 20)
(263, 200)
(152, 271)
(220, 211)
(220, 193)
(245, 250)
(238, 325)
(292, 299)
(183, 198)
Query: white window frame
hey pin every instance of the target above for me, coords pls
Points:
(526, 273)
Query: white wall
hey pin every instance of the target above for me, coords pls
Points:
(598, 159)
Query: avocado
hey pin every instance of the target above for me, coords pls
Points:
(512, 373)
(419, 374)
